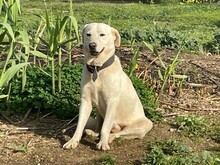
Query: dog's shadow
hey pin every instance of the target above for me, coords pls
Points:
(86, 140)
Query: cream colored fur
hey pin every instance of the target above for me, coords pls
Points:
(119, 110)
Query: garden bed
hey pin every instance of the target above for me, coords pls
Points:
(42, 142)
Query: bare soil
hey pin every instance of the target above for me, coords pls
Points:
(37, 139)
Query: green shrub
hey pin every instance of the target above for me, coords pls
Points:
(38, 95)
(163, 37)
(213, 46)
(147, 98)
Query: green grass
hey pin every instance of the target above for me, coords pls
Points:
(200, 21)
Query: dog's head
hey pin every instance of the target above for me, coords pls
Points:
(100, 39)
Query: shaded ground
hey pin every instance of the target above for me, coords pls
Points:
(41, 144)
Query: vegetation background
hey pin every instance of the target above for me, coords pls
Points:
(41, 62)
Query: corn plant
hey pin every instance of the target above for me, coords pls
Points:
(10, 39)
(169, 69)
(1, 5)
(136, 52)
(71, 27)
(56, 39)
(36, 38)
(13, 10)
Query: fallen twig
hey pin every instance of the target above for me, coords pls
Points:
(63, 129)
(188, 109)
(170, 114)
(7, 119)
(26, 115)
(48, 114)
(70, 127)
(30, 128)
(203, 68)
(72, 119)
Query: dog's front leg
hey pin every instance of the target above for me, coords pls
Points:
(107, 124)
(84, 113)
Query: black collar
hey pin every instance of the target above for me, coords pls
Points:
(95, 69)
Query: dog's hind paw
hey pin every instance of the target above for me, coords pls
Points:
(102, 146)
(71, 144)
(90, 132)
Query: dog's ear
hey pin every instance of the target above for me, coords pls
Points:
(83, 32)
(117, 38)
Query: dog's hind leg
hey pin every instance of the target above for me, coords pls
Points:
(137, 129)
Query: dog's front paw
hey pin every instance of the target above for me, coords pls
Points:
(71, 144)
(103, 146)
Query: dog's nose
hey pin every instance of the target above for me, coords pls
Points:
(92, 45)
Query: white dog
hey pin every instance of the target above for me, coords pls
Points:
(104, 84)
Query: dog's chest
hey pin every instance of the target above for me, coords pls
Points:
(96, 92)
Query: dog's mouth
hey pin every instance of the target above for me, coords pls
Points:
(95, 53)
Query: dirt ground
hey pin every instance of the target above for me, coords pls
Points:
(38, 139)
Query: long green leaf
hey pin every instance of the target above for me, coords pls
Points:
(3, 96)
(2, 63)
(10, 53)
(75, 25)
(1, 6)
(2, 36)
(62, 27)
(18, 5)
(67, 41)
(25, 40)
(10, 72)
(160, 75)
(162, 63)
(133, 64)
(151, 47)
(41, 55)
(39, 34)
(9, 29)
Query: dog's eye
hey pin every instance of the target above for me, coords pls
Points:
(88, 34)
(102, 34)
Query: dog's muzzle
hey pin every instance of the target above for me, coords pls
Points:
(93, 51)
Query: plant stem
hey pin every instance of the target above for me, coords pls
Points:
(59, 70)
(53, 76)
(69, 52)
(9, 91)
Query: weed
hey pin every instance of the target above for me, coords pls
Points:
(191, 126)
(105, 160)
(214, 45)
(136, 52)
(172, 152)
(21, 148)
(214, 131)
